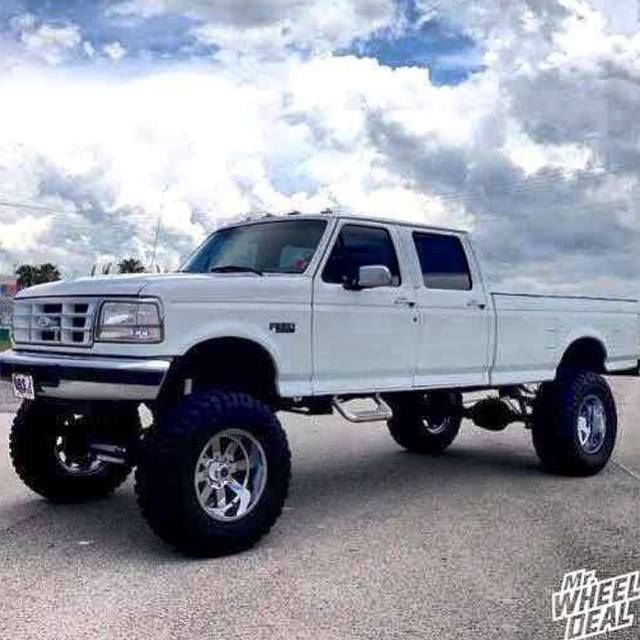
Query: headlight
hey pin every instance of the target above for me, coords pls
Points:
(129, 322)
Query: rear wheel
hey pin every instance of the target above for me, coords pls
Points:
(49, 448)
(426, 423)
(575, 424)
(214, 473)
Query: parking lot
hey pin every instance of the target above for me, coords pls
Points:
(374, 543)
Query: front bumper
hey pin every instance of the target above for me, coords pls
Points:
(68, 377)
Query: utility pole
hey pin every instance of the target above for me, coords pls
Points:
(158, 225)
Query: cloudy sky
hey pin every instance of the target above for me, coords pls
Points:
(516, 119)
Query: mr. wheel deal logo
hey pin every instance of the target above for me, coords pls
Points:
(592, 607)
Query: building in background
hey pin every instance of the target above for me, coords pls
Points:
(8, 288)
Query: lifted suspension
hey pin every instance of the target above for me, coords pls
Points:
(513, 404)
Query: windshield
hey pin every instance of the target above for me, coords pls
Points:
(269, 247)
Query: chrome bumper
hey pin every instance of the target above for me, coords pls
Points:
(68, 377)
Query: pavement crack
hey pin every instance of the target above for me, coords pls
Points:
(627, 470)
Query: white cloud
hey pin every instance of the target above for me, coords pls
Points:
(24, 22)
(271, 25)
(47, 42)
(89, 49)
(622, 16)
(201, 146)
(24, 234)
(114, 51)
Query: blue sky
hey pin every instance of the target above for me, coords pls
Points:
(166, 37)
(447, 51)
(450, 55)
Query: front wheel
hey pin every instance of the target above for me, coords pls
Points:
(214, 473)
(426, 423)
(575, 424)
(49, 448)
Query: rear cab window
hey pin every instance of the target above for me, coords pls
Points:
(443, 261)
(359, 246)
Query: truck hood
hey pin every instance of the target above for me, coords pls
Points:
(123, 285)
(176, 287)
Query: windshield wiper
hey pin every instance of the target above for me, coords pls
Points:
(233, 268)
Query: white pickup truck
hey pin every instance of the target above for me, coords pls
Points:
(303, 313)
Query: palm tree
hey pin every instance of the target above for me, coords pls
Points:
(31, 274)
(48, 272)
(130, 265)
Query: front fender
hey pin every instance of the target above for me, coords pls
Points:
(290, 352)
(231, 330)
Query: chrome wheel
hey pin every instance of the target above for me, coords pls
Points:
(438, 408)
(436, 426)
(230, 475)
(592, 424)
(71, 451)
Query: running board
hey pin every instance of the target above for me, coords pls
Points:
(381, 413)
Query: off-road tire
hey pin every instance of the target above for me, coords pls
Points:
(165, 473)
(32, 444)
(412, 429)
(555, 424)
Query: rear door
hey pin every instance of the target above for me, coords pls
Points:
(363, 340)
(455, 314)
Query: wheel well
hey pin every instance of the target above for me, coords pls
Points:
(586, 354)
(226, 363)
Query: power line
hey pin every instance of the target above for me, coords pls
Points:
(515, 188)
(533, 185)
(82, 226)
(34, 207)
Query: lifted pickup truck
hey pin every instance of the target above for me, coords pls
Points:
(296, 313)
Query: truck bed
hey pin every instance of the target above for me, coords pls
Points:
(532, 332)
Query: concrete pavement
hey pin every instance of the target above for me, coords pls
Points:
(374, 543)
(8, 403)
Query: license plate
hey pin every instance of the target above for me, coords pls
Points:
(23, 386)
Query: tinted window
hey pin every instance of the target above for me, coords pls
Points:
(443, 261)
(358, 246)
(270, 247)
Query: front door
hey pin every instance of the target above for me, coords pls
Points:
(363, 340)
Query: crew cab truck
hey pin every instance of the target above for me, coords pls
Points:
(302, 313)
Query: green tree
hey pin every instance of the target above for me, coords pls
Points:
(48, 272)
(31, 274)
(130, 265)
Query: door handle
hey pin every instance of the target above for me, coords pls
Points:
(476, 304)
(405, 302)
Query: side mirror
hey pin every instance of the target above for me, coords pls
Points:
(370, 277)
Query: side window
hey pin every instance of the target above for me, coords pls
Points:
(358, 246)
(443, 261)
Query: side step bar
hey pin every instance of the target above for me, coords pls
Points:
(381, 413)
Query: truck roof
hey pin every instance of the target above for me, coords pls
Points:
(343, 216)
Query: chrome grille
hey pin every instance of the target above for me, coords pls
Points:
(54, 321)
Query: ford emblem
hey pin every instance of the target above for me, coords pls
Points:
(44, 322)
